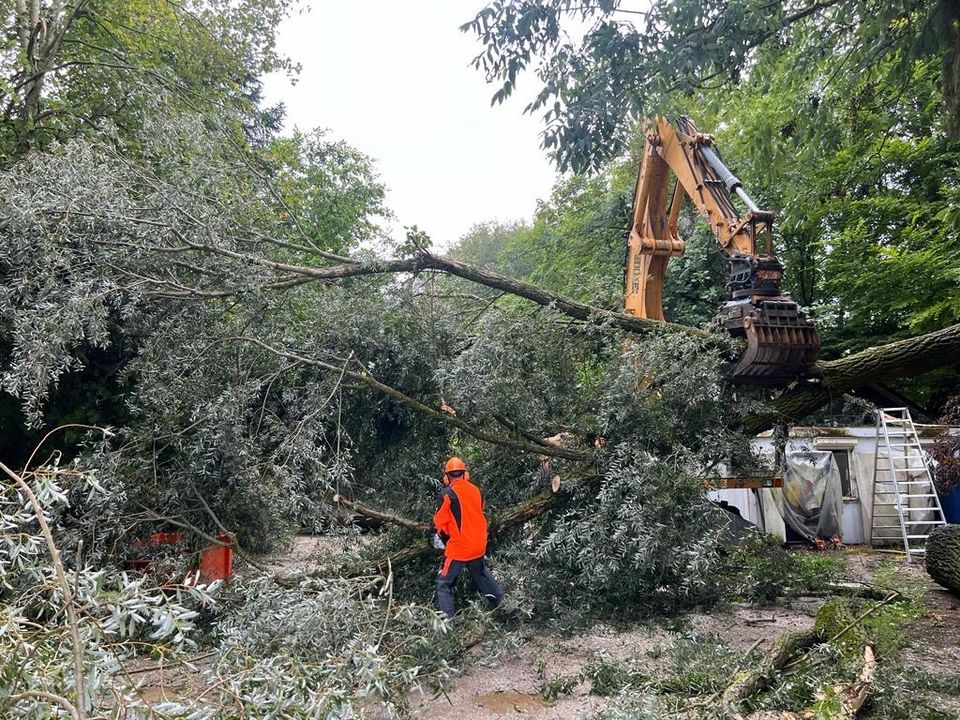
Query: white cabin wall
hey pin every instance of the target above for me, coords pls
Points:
(762, 507)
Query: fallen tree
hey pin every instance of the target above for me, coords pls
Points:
(834, 623)
(266, 366)
(826, 380)
(420, 547)
(849, 697)
(749, 682)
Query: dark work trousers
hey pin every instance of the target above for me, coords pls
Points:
(450, 572)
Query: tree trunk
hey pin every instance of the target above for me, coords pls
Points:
(826, 380)
(832, 378)
(750, 682)
(40, 41)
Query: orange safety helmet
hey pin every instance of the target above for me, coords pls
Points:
(455, 464)
(454, 470)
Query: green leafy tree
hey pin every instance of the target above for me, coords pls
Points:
(89, 66)
(483, 243)
(629, 64)
(863, 177)
(576, 246)
(327, 189)
(839, 116)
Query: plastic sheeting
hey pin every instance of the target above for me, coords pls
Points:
(812, 496)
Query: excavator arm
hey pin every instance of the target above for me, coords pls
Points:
(781, 342)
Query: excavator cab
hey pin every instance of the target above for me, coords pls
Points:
(781, 341)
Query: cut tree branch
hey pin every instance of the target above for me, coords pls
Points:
(826, 380)
(428, 261)
(420, 547)
(382, 515)
(49, 697)
(748, 683)
(79, 681)
(567, 306)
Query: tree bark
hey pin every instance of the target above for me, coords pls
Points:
(428, 261)
(753, 681)
(381, 515)
(40, 41)
(567, 306)
(831, 378)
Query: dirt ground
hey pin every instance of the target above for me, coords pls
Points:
(507, 681)
(511, 686)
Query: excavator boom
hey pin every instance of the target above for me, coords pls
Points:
(781, 342)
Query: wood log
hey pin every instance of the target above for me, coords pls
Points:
(852, 697)
(381, 515)
(832, 378)
(849, 589)
(752, 681)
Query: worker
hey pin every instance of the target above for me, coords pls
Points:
(461, 530)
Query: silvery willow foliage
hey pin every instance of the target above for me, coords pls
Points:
(177, 257)
(326, 649)
(654, 537)
(87, 234)
(331, 649)
(634, 531)
(117, 617)
(130, 248)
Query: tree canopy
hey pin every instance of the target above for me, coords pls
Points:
(628, 64)
(90, 66)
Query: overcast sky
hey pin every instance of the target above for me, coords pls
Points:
(393, 78)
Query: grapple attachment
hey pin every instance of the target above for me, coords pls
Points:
(781, 342)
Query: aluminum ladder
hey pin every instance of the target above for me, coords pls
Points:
(900, 472)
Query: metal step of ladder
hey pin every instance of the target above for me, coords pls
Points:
(900, 471)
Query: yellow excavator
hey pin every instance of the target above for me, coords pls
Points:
(781, 341)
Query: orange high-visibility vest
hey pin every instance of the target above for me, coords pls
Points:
(460, 518)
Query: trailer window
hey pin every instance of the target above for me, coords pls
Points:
(848, 488)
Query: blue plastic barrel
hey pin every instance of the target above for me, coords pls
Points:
(951, 506)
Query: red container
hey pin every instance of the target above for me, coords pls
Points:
(216, 562)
